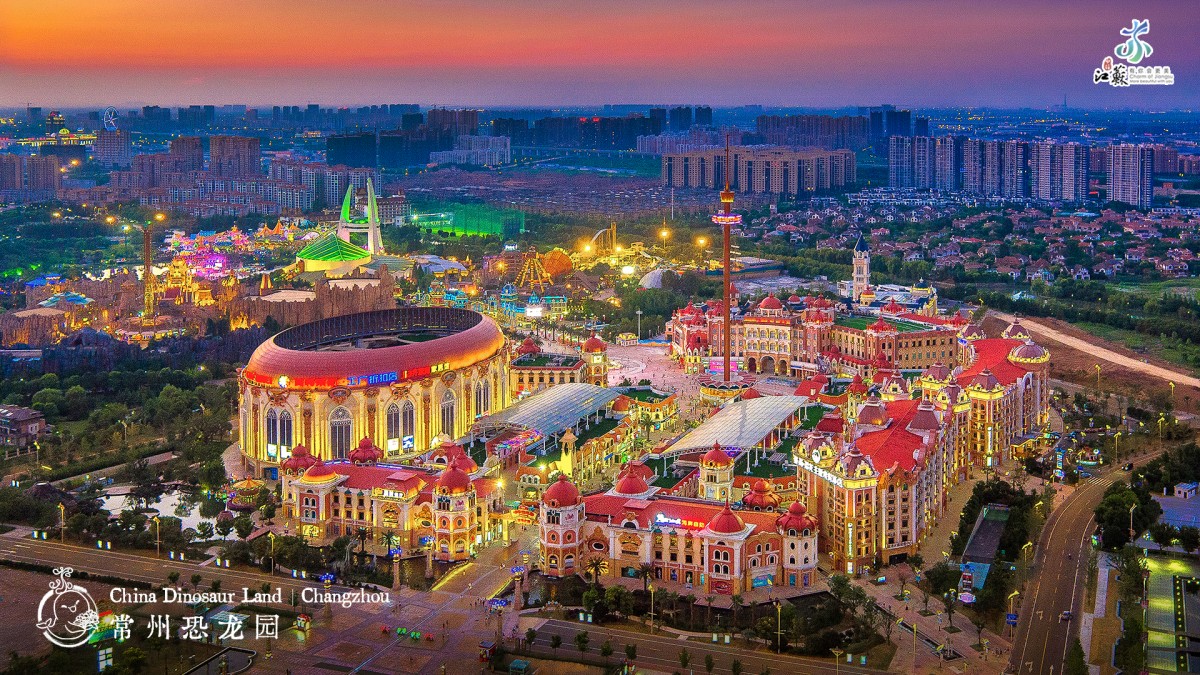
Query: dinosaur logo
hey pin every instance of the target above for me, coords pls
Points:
(67, 614)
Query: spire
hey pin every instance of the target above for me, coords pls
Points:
(347, 203)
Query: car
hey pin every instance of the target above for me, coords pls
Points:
(1085, 474)
(1128, 466)
(1065, 616)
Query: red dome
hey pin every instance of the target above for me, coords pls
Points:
(629, 483)
(300, 460)
(770, 302)
(893, 307)
(529, 347)
(794, 299)
(365, 453)
(454, 481)
(561, 493)
(716, 457)
(762, 495)
(751, 393)
(594, 345)
(881, 326)
(796, 518)
(319, 470)
(857, 386)
(726, 522)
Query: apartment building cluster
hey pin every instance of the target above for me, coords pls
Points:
(762, 170)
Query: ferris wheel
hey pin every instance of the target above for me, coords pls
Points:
(110, 119)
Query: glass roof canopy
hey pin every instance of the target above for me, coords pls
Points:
(553, 410)
(742, 424)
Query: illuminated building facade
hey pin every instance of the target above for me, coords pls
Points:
(407, 376)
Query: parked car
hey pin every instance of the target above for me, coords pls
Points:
(1065, 616)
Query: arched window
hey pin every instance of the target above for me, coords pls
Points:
(272, 431)
(483, 399)
(285, 431)
(339, 433)
(408, 421)
(393, 429)
(448, 414)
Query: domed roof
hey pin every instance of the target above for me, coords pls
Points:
(630, 483)
(973, 332)
(796, 518)
(893, 307)
(938, 372)
(365, 453)
(454, 481)
(716, 457)
(873, 412)
(794, 299)
(770, 302)
(751, 393)
(726, 522)
(762, 495)
(594, 345)
(300, 460)
(529, 347)
(985, 381)
(561, 493)
(1029, 352)
(857, 386)
(881, 326)
(1015, 331)
(319, 472)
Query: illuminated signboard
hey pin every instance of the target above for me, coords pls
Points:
(408, 442)
(660, 519)
(377, 378)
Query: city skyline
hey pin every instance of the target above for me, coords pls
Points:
(543, 54)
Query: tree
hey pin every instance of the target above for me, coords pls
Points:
(979, 623)
(216, 586)
(737, 604)
(224, 527)
(948, 601)
(361, 535)
(1076, 661)
(684, 658)
(243, 525)
(903, 579)
(916, 562)
(631, 652)
(581, 641)
(708, 603)
(595, 567)
(1189, 538)
(709, 664)
(530, 636)
(606, 650)
(646, 572)
(173, 577)
(555, 643)
(204, 530)
(133, 659)
(196, 581)
(1162, 534)
(736, 667)
(690, 599)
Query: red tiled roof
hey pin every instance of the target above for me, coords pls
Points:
(892, 446)
(992, 354)
(695, 514)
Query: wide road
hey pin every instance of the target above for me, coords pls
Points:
(1041, 641)
(660, 652)
(136, 567)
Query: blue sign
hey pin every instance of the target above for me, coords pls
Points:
(377, 378)
(1011, 619)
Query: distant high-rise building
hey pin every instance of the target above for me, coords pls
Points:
(11, 172)
(924, 169)
(898, 122)
(760, 170)
(187, 152)
(1045, 171)
(824, 131)
(993, 181)
(972, 160)
(197, 116)
(354, 150)
(411, 120)
(900, 162)
(55, 122)
(34, 114)
(1076, 167)
(234, 156)
(876, 124)
(1131, 175)
(457, 122)
(44, 173)
(1166, 158)
(680, 118)
(113, 148)
(704, 115)
(947, 164)
(659, 115)
(921, 126)
(1014, 175)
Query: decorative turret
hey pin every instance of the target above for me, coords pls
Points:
(716, 474)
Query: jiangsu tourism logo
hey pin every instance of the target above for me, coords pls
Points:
(1133, 51)
(67, 614)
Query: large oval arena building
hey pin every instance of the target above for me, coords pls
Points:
(402, 377)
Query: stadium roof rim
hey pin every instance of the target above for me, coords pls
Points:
(551, 411)
(741, 424)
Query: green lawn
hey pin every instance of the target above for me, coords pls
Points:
(862, 322)
(1168, 349)
(645, 395)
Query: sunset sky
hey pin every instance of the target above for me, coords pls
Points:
(541, 52)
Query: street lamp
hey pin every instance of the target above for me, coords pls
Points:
(651, 608)
(157, 538)
(837, 660)
(1131, 532)
(1010, 607)
(778, 627)
(271, 537)
(639, 316)
(62, 523)
(159, 217)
